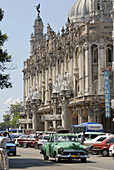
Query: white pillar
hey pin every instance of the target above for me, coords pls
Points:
(86, 69)
(80, 72)
(101, 64)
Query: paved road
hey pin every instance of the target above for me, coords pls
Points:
(31, 159)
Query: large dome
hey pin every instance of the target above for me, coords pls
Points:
(80, 11)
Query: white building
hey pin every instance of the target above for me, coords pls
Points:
(63, 81)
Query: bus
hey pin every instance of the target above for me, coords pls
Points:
(87, 127)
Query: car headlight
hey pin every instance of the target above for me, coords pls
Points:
(60, 150)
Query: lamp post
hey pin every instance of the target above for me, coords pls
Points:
(96, 109)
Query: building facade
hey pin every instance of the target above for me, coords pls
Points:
(63, 78)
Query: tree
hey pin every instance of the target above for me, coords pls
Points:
(4, 59)
(12, 115)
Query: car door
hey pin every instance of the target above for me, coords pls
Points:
(109, 142)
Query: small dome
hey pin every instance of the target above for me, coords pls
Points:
(80, 11)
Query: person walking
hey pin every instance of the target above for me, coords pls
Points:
(83, 138)
(6, 138)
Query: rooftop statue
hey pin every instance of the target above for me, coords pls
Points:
(37, 8)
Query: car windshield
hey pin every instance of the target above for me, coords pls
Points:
(65, 139)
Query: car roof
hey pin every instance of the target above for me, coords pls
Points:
(65, 134)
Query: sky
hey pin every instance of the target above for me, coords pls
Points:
(18, 20)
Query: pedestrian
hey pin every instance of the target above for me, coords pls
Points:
(6, 138)
(83, 138)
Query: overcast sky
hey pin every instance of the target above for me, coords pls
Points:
(19, 17)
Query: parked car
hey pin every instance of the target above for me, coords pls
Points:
(28, 140)
(89, 135)
(64, 146)
(104, 146)
(111, 150)
(11, 148)
(20, 137)
(41, 140)
(98, 139)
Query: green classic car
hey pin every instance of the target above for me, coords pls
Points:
(64, 146)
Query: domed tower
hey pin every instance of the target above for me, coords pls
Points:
(90, 10)
(37, 38)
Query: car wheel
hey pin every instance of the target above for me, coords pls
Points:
(93, 152)
(46, 157)
(19, 145)
(36, 146)
(39, 147)
(57, 159)
(83, 160)
(14, 153)
(24, 145)
(105, 152)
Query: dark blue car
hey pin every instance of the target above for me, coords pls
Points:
(11, 148)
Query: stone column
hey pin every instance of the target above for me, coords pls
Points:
(86, 69)
(34, 82)
(62, 70)
(54, 75)
(101, 64)
(80, 72)
(28, 86)
(71, 66)
(80, 117)
(46, 86)
(35, 124)
(46, 125)
(90, 71)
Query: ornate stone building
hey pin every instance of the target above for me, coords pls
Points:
(63, 81)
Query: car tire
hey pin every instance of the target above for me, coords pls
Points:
(57, 159)
(39, 147)
(19, 145)
(105, 152)
(24, 145)
(93, 152)
(83, 160)
(46, 157)
(36, 146)
(14, 153)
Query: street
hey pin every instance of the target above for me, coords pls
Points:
(31, 159)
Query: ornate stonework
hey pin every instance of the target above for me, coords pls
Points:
(64, 70)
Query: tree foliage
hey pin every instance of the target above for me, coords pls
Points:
(12, 115)
(4, 59)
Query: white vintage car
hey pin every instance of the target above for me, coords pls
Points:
(111, 150)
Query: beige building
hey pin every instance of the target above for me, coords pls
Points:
(63, 81)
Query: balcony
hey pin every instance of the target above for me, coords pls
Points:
(24, 121)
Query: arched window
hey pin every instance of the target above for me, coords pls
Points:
(85, 116)
(109, 53)
(76, 57)
(94, 49)
(98, 5)
(75, 119)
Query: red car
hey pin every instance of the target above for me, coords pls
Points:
(104, 146)
(27, 141)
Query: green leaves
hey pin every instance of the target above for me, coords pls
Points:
(4, 59)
